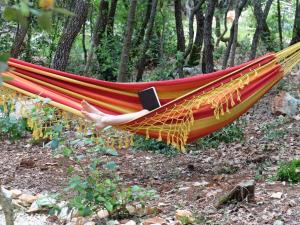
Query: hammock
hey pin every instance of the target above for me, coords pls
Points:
(191, 107)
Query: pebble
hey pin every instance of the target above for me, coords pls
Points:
(102, 214)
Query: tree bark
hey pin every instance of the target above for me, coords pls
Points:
(195, 55)
(83, 44)
(71, 30)
(7, 208)
(141, 64)
(207, 58)
(98, 32)
(144, 24)
(296, 30)
(179, 26)
(221, 37)
(261, 17)
(238, 11)
(123, 68)
(279, 24)
(19, 40)
(111, 17)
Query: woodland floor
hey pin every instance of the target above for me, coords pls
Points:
(193, 181)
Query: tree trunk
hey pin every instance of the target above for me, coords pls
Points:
(19, 40)
(261, 17)
(279, 24)
(141, 64)
(111, 17)
(207, 59)
(195, 55)
(123, 68)
(296, 30)
(7, 208)
(83, 44)
(71, 30)
(238, 11)
(98, 32)
(221, 38)
(144, 24)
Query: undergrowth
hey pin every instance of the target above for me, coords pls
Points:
(231, 133)
(141, 143)
(289, 171)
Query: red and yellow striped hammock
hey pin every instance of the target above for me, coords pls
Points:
(191, 107)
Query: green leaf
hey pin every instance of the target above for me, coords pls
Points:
(24, 8)
(4, 57)
(110, 165)
(45, 21)
(109, 206)
(64, 11)
(10, 14)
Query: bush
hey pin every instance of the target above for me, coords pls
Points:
(93, 190)
(141, 143)
(12, 128)
(289, 171)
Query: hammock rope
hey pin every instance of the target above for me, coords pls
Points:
(191, 107)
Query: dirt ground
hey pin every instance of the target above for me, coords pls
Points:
(193, 181)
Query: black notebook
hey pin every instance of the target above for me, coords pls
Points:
(149, 99)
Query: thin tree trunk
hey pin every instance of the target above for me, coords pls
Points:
(279, 24)
(83, 44)
(98, 32)
(179, 26)
(296, 30)
(195, 56)
(71, 30)
(141, 64)
(19, 40)
(28, 51)
(111, 17)
(141, 34)
(180, 36)
(207, 58)
(7, 208)
(261, 17)
(231, 47)
(238, 11)
(221, 38)
(193, 8)
(123, 68)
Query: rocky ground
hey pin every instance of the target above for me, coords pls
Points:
(194, 181)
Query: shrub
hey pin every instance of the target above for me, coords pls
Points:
(141, 143)
(289, 171)
(12, 128)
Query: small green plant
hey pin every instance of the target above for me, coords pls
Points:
(12, 128)
(289, 171)
(272, 130)
(141, 143)
(93, 189)
(231, 133)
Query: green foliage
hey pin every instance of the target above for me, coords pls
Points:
(12, 128)
(93, 190)
(272, 130)
(231, 133)
(289, 171)
(141, 143)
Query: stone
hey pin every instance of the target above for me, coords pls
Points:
(102, 214)
(130, 222)
(175, 223)
(277, 195)
(199, 184)
(278, 222)
(112, 222)
(27, 199)
(15, 193)
(185, 216)
(154, 220)
(90, 223)
(131, 209)
(285, 104)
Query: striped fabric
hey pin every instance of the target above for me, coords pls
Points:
(192, 107)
